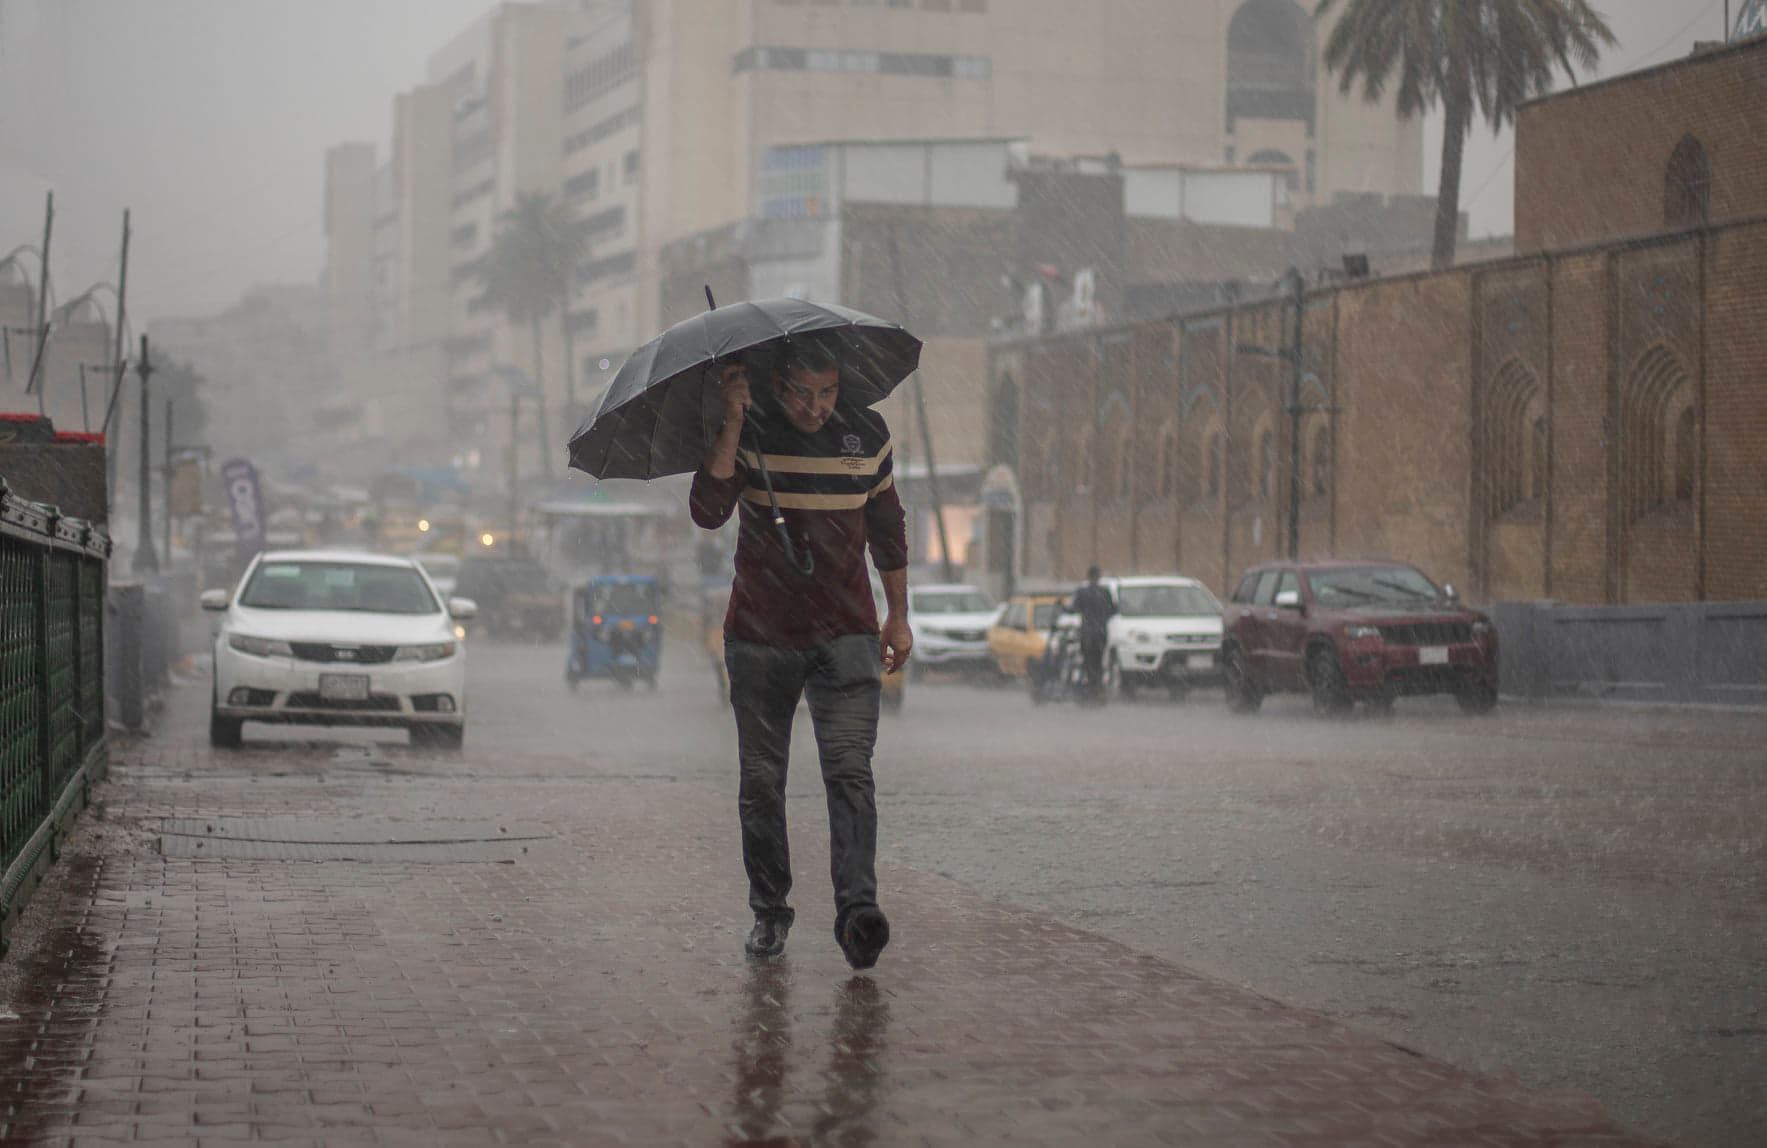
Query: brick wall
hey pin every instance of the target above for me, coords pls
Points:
(1410, 377)
(1734, 441)
(1592, 162)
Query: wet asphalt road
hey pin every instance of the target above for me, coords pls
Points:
(1577, 895)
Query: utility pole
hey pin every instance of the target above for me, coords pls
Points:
(146, 561)
(926, 433)
(118, 364)
(166, 479)
(43, 307)
(1296, 364)
(1295, 355)
(515, 414)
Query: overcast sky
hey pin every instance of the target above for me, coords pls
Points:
(210, 118)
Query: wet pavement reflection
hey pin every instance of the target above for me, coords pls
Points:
(772, 1087)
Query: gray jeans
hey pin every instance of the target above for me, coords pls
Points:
(841, 681)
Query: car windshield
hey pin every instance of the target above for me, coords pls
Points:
(1042, 617)
(627, 598)
(1165, 601)
(951, 602)
(351, 586)
(1373, 586)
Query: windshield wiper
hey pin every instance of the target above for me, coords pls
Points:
(1408, 591)
(1350, 592)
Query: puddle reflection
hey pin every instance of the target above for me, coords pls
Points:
(852, 1077)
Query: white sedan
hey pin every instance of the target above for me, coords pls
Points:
(950, 623)
(337, 638)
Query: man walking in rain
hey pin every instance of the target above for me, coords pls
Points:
(791, 634)
(1096, 608)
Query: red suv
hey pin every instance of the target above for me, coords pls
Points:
(1353, 630)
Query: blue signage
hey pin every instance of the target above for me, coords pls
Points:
(247, 503)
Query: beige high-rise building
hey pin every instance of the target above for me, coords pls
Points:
(1230, 82)
(650, 118)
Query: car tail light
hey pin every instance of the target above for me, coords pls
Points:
(653, 619)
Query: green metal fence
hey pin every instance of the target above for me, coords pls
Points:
(52, 723)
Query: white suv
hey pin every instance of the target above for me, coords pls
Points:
(338, 638)
(1167, 632)
(950, 623)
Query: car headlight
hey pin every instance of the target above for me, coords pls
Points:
(1357, 633)
(1481, 627)
(434, 652)
(1141, 636)
(259, 647)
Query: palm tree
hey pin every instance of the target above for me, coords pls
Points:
(1467, 55)
(527, 275)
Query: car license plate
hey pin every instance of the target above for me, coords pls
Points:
(1202, 661)
(344, 687)
(1432, 656)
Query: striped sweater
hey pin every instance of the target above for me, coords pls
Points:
(836, 489)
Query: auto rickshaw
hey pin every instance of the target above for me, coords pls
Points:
(616, 630)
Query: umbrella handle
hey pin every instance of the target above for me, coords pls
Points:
(804, 561)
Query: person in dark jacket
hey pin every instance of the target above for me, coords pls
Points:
(1095, 606)
(788, 634)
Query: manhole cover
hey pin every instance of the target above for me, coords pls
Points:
(347, 839)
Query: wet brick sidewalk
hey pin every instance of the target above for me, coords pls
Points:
(591, 989)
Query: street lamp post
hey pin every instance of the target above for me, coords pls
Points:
(146, 561)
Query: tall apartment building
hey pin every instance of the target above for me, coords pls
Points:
(422, 356)
(603, 156)
(651, 119)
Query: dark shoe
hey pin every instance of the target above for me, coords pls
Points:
(767, 938)
(863, 935)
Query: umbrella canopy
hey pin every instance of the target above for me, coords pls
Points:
(659, 415)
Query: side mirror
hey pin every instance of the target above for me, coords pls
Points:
(215, 600)
(462, 609)
(1450, 593)
(1288, 599)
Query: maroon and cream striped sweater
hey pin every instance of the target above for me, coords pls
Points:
(836, 488)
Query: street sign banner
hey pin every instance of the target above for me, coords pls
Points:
(246, 501)
(186, 497)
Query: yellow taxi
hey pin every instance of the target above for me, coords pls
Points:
(1021, 631)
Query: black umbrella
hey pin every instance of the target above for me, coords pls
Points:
(659, 415)
(662, 411)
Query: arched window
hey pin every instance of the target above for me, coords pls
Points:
(1270, 157)
(1686, 439)
(1270, 67)
(1654, 423)
(1509, 413)
(1212, 465)
(1321, 460)
(1266, 464)
(1687, 186)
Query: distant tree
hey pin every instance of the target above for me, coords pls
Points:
(1466, 55)
(528, 270)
